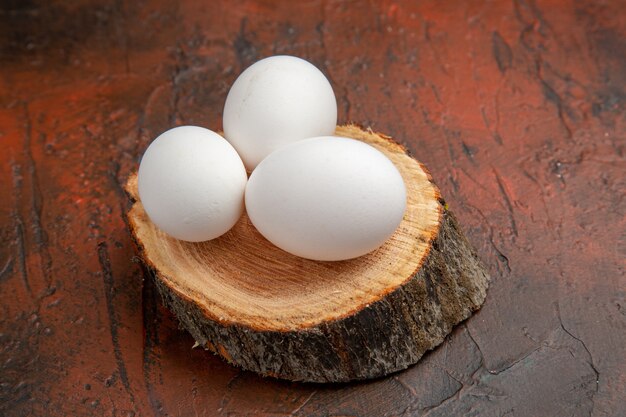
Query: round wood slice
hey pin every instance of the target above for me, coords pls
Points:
(280, 315)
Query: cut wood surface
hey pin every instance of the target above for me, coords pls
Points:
(516, 107)
(277, 314)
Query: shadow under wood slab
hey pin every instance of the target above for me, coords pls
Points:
(280, 315)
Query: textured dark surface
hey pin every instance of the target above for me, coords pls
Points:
(517, 108)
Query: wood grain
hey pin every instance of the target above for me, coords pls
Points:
(517, 107)
(243, 279)
(280, 315)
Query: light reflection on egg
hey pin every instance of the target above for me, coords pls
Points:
(277, 101)
(326, 198)
(191, 183)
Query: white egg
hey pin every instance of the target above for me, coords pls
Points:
(191, 183)
(277, 101)
(326, 198)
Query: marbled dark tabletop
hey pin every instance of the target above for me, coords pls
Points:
(516, 107)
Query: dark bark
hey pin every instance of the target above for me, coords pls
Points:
(388, 335)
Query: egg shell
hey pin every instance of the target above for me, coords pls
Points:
(326, 198)
(191, 183)
(277, 101)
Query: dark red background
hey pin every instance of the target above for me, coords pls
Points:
(517, 108)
